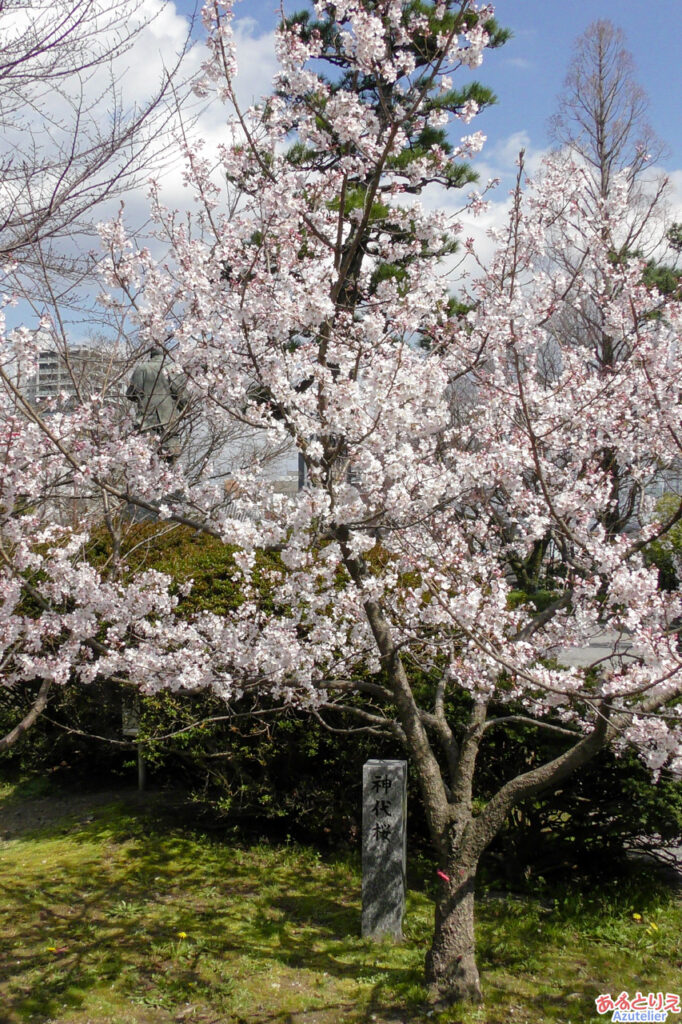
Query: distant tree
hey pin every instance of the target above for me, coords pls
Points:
(70, 142)
(601, 126)
(664, 277)
(674, 236)
(602, 120)
(70, 139)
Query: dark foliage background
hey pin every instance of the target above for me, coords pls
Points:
(264, 770)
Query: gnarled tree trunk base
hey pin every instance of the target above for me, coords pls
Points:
(451, 971)
(456, 981)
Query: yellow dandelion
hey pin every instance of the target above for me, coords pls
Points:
(636, 917)
(652, 924)
(181, 935)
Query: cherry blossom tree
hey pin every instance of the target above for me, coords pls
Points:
(601, 125)
(450, 477)
(71, 141)
(72, 138)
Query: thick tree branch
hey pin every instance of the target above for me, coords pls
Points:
(29, 719)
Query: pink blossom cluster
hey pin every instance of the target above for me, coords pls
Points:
(434, 470)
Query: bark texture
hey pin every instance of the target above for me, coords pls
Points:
(451, 971)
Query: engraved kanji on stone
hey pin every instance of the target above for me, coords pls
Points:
(381, 782)
(384, 788)
(382, 807)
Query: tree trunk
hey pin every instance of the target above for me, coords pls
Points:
(451, 972)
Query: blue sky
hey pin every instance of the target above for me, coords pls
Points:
(527, 75)
(528, 72)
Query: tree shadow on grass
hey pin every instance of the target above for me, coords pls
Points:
(164, 920)
(138, 906)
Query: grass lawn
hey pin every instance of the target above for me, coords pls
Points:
(115, 915)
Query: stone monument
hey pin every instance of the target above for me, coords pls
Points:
(384, 819)
(130, 727)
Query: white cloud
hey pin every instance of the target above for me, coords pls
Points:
(500, 161)
(504, 155)
(518, 62)
(208, 120)
(256, 61)
(158, 33)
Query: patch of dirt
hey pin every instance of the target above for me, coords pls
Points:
(326, 1015)
(19, 817)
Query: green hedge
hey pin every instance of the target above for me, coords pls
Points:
(281, 771)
